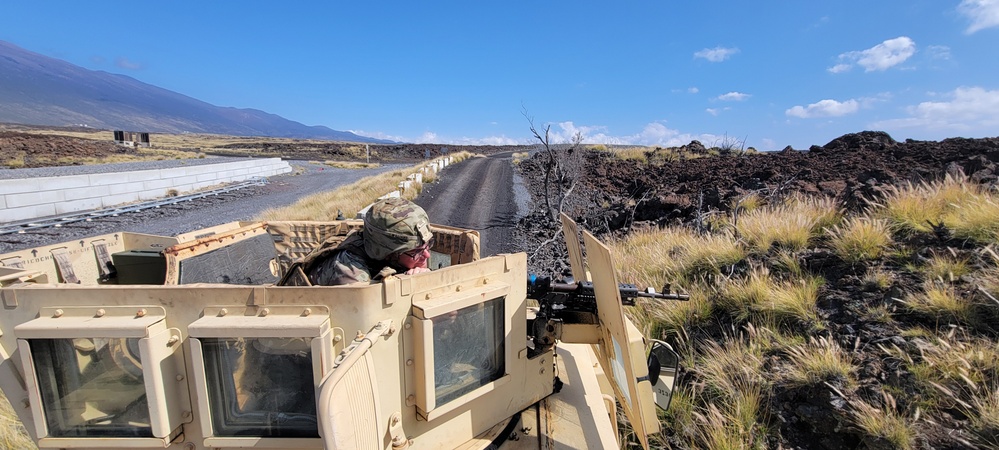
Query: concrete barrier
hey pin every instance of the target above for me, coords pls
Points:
(408, 183)
(25, 199)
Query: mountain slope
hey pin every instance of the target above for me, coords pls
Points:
(38, 90)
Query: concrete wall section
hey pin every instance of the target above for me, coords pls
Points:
(25, 199)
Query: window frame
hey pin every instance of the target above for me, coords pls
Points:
(265, 321)
(422, 316)
(160, 352)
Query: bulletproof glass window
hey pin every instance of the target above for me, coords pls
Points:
(91, 387)
(100, 373)
(469, 349)
(260, 387)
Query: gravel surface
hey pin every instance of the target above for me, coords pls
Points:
(243, 204)
(483, 194)
(62, 171)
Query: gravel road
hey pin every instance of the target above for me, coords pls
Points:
(483, 194)
(244, 204)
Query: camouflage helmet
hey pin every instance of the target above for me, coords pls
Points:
(394, 225)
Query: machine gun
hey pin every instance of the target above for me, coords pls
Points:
(575, 303)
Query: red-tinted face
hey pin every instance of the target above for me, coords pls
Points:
(417, 257)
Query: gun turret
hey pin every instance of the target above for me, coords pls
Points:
(576, 303)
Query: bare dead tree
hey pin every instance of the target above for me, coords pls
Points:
(563, 167)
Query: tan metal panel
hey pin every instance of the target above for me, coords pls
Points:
(620, 342)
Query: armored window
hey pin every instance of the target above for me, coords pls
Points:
(103, 372)
(460, 347)
(468, 349)
(257, 369)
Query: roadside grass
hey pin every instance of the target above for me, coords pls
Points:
(351, 165)
(654, 257)
(735, 385)
(760, 297)
(350, 199)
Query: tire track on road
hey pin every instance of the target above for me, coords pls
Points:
(476, 194)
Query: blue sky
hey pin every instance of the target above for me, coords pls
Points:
(771, 73)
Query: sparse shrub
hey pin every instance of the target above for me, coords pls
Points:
(860, 239)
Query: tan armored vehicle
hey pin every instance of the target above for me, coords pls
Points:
(207, 340)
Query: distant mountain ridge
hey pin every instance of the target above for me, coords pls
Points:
(39, 90)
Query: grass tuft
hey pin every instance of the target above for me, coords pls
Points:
(821, 360)
(860, 239)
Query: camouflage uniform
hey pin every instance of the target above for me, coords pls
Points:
(390, 226)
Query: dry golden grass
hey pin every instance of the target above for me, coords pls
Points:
(352, 198)
(792, 225)
(885, 423)
(760, 297)
(912, 208)
(878, 278)
(977, 219)
(733, 415)
(860, 239)
(943, 304)
(12, 432)
(654, 257)
(821, 360)
(351, 165)
(947, 267)
(968, 210)
(632, 154)
(666, 319)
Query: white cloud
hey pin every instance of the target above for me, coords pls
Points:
(969, 109)
(881, 57)
(734, 97)
(717, 54)
(824, 108)
(712, 111)
(840, 68)
(938, 52)
(983, 14)
(655, 133)
(693, 90)
(124, 63)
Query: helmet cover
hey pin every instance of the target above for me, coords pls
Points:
(394, 225)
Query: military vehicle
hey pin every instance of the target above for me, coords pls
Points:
(210, 340)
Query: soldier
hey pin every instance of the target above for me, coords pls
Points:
(396, 238)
